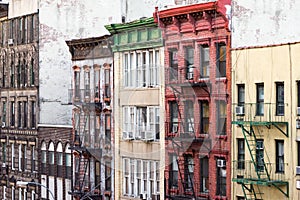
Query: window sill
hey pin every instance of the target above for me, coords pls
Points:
(221, 79)
(223, 137)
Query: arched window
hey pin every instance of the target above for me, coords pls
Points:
(68, 162)
(59, 159)
(44, 157)
(51, 159)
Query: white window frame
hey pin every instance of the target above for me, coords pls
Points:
(12, 156)
(20, 157)
(140, 68)
(4, 192)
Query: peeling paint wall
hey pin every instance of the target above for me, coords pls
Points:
(258, 22)
(70, 19)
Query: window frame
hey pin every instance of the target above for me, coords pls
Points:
(260, 99)
(280, 99)
(279, 156)
(204, 63)
(240, 153)
(221, 64)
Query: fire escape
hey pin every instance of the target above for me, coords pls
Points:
(258, 171)
(184, 135)
(86, 147)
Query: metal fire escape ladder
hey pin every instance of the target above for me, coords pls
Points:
(251, 141)
(179, 146)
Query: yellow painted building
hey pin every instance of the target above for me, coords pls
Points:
(265, 132)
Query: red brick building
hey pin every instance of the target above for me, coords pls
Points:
(197, 78)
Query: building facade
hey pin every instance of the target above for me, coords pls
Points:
(265, 93)
(138, 109)
(197, 119)
(92, 144)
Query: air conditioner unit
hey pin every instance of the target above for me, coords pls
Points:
(143, 196)
(298, 124)
(148, 136)
(239, 110)
(297, 170)
(221, 163)
(174, 128)
(3, 124)
(127, 136)
(190, 75)
(298, 110)
(10, 41)
(3, 164)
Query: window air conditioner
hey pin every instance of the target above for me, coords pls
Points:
(174, 128)
(239, 110)
(10, 41)
(221, 163)
(3, 124)
(298, 110)
(143, 196)
(190, 75)
(127, 136)
(298, 184)
(297, 170)
(148, 136)
(298, 124)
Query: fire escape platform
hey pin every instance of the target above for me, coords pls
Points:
(268, 124)
(256, 181)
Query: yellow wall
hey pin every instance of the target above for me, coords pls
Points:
(269, 65)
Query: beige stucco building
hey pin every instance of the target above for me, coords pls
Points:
(138, 109)
(265, 102)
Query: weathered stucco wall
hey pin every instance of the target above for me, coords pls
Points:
(257, 23)
(18, 7)
(70, 19)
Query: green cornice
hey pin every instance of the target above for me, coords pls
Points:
(117, 28)
(138, 34)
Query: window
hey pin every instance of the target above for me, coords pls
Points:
(173, 117)
(189, 171)
(77, 84)
(141, 122)
(4, 192)
(59, 160)
(107, 83)
(20, 114)
(204, 169)
(25, 113)
(20, 157)
(12, 113)
(12, 74)
(98, 175)
(68, 162)
(280, 98)
(33, 114)
(33, 159)
(189, 116)
(51, 161)
(12, 156)
(173, 73)
(221, 179)
(241, 94)
(141, 68)
(44, 158)
(108, 176)
(298, 153)
(279, 156)
(189, 62)
(126, 175)
(19, 73)
(32, 82)
(87, 84)
(3, 159)
(107, 128)
(173, 173)
(260, 155)
(221, 60)
(260, 99)
(221, 117)
(3, 114)
(204, 117)
(204, 61)
(24, 158)
(241, 153)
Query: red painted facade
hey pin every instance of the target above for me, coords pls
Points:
(198, 137)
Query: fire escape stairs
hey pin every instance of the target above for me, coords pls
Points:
(261, 170)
